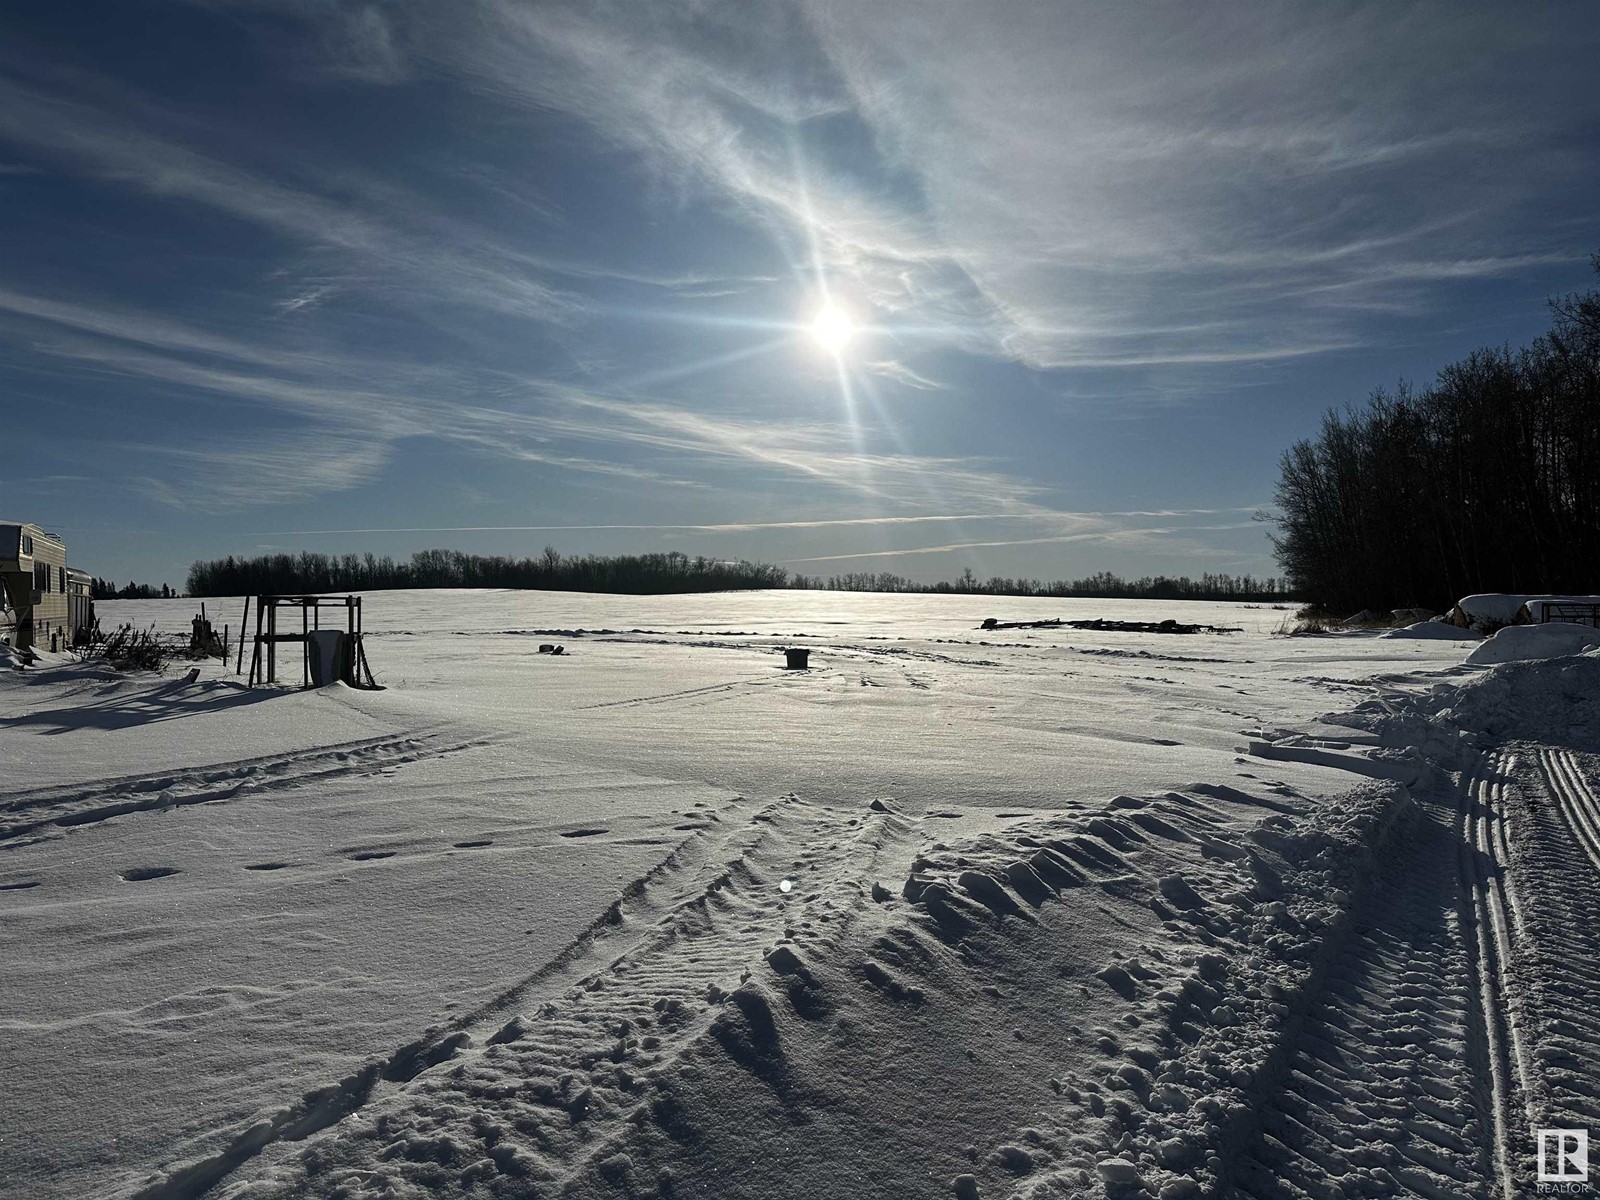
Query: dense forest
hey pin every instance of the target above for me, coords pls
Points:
(634, 574)
(651, 574)
(1487, 481)
(104, 589)
(1104, 584)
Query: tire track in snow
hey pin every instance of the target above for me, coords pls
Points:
(30, 813)
(662, 958)
(1489, 912)
(1380, 1098)
(696, 969)
(1576, 798)
(737, 685)
(325, 1107)
(1416, 1077)
(1559, 855)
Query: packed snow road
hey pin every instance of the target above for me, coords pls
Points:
(1042, 912)
(1401, 1082)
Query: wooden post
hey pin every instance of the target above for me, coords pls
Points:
(305, 646)
(244, 624)
(255, 654)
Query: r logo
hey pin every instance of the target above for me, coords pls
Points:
(1563, 1155)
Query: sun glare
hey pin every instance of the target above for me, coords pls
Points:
(833, 328)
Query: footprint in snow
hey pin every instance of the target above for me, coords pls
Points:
(369, 855)
(265, 866)
(475, 845)
(18, 887)
(577, 833)
(139, 874)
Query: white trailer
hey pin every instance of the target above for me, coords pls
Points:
(34, 579)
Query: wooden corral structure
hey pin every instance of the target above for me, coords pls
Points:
(327, 655)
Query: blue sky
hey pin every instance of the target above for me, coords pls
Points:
(288, 274)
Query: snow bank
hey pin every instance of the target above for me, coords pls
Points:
(1517, 643)
(1405, 767)
(1438, 631)
(1555, 700)
(1494, 610)
(1489, 610)
(1548, 699)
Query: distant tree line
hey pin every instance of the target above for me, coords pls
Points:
(651, 574)
(634, 574)
(104, 589)
(1487, 481)
(1104, 585)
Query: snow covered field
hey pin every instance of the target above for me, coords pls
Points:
(957, 913)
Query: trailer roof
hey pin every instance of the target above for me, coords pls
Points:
(37, 531)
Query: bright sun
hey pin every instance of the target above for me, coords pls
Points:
(833, 328)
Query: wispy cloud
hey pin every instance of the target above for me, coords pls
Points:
(405, 248)
(540, 421)
(807, 450)
(278, 469)
(571, 237)
(900, 373)
(758, 526)
(1110, 536)
(1046, 185)
(1053, 185)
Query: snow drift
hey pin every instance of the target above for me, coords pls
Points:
(1488, 611)
(1515, 643)
(1431, 630)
